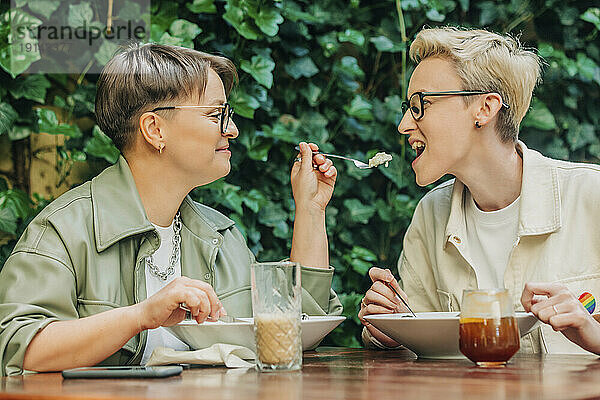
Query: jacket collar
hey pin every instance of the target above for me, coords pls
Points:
(540, 202)
(118, 211)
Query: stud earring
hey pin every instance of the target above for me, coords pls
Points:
(477, 124)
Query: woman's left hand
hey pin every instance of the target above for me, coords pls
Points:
(312, 187)
(564, 312)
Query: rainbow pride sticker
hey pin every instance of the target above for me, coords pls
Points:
(588, 301)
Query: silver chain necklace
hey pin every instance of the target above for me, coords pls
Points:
(153, 268)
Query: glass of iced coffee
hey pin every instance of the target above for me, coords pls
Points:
(489, 335)
(276, 305)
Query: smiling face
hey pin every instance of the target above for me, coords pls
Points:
(444, 136)
(193, 139)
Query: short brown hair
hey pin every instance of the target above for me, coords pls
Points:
(141, 77)
(486, 61)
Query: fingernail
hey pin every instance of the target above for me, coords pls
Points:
(222, 311)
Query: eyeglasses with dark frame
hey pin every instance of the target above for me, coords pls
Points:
(417, 108)
(225, 116)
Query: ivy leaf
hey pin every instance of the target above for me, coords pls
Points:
(17, 201)
(17, 56)
(105, 52)
(311, 93)
(80, 14)
(130, 11)
(396, 173)
(244, 104)
(275, 217)
(580, 135)
(254, 200)
(301, 67)
(260, 68)
(587, 68)
(268, 21)
(360, 108)
(235, 16)
(382, 43)
(489, 12)
(349, 66)
(359, 212)
(33, 87)
(202, 6)
(8, 221)
(231, 199)
(167, 38)
(8, 116)
(259, 150)
(19, 132)
(184, 29)
(44, 8)
(592, 15)
(361, 259)
(352, 36)
(434, 15)
(48, 123)
(281, 132)
(557, 149)
(101, 146)
(539, 117)
(329, 43)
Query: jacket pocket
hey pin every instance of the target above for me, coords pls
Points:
(447, 301)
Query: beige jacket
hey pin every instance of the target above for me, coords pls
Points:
(558, 240)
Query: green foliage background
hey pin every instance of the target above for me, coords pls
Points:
(332, 72)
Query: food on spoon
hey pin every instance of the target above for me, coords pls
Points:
(380, 158)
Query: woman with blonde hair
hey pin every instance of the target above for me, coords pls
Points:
(510, 217)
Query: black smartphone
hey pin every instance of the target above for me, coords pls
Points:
(134, 371)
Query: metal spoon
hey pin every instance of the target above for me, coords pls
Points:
(358, 164)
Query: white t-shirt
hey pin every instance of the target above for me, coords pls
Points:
(491, 237)
(160, 337)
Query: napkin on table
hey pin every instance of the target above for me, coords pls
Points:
(230, 355)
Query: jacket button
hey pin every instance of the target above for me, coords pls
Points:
(207, 276)
(215, 241)
(456, 239)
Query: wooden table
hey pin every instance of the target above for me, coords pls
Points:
(338, 373)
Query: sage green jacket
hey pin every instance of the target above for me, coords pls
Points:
(85, 254)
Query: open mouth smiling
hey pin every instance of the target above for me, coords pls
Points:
(418, 147)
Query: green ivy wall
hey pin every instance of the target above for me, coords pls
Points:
(332, 72)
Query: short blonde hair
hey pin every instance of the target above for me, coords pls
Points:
(486, 61)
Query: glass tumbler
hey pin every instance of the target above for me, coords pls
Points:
(277, 307)
(489, 335)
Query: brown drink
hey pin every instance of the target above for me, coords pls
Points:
(489, 341)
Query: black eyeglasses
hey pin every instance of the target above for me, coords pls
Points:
(224, 117)
(416, 106)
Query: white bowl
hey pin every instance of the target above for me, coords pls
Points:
(433, 334)
(201, 336)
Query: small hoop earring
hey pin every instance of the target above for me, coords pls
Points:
(477, 124)
(160, 148)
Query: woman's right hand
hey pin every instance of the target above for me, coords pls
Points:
(162, 308)
(380, 299)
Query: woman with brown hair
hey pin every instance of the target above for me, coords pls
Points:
(100, 271)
